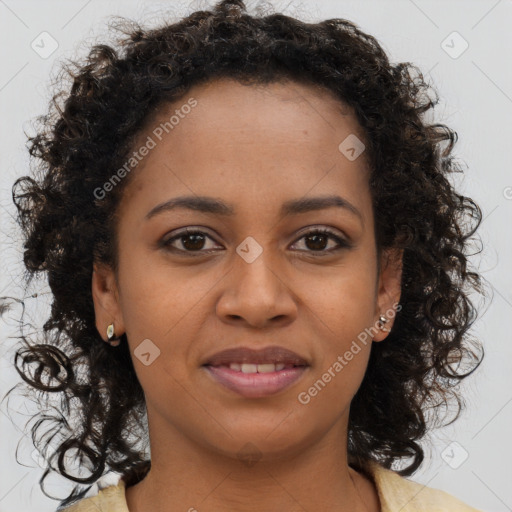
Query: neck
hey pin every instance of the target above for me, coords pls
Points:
(185, 476)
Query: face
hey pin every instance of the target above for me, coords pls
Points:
(265, 265)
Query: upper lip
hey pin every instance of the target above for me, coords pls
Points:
(273, 354)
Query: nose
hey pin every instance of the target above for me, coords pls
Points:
(257, 294)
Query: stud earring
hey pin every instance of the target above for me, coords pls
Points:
(112, 339)
(383, 320)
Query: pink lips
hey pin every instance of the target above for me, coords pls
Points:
(289, 368)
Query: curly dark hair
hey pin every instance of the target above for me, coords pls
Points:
(90, 130)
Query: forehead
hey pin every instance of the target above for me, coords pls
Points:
(279, 108)
(259, 137)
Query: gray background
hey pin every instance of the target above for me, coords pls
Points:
(475, 87)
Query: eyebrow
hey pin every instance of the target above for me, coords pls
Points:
(213, 206)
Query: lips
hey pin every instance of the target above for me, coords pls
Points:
(256, 373)
(270, 355)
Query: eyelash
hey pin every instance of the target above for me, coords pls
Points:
(343, 244)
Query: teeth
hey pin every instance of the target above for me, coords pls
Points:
(266, 368)
(256, 368)
(249, 368)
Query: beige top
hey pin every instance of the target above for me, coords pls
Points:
(396, 493)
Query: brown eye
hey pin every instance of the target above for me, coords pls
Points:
(189, 240)
(318, 239)
(194, 241)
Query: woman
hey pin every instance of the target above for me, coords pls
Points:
(250, 236)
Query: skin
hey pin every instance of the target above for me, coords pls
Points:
(254, 147)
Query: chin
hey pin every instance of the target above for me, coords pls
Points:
(258, 443)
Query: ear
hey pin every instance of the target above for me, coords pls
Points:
(389, 288)
(106, 300)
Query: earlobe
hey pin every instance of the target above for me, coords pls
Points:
(389, 291)
(106, 300)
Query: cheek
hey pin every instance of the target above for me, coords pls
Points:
(330, 391)
(166, 307)
(344, 309)
(153, 297)
(346, 296)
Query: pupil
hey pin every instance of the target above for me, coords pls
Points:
(197, 239)
(315, 239)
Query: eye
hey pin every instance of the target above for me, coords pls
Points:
(317, 239)
(191, 240)
(194, 240)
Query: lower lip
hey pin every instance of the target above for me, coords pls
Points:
(256, 385)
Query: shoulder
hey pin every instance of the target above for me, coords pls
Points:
(399, 493)
(111, 498)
